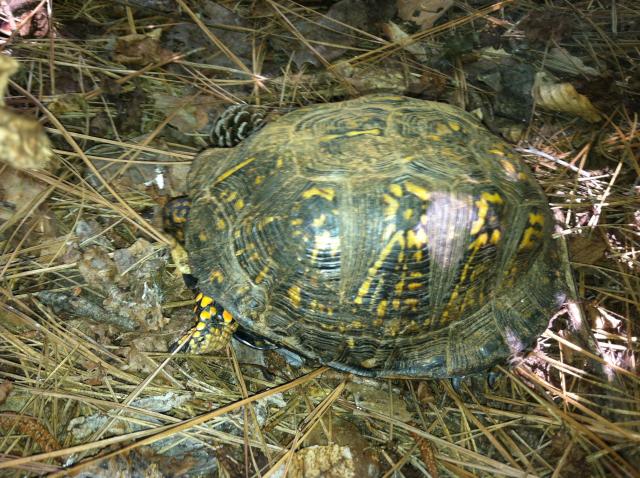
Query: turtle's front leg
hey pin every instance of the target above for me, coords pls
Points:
(213, 330)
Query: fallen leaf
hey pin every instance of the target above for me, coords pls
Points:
(23, 143)
(586, 250)
(140, 49)
(559, 59)
(331, 461)
(403, 39)
(564, 98)
(5, 390)
(423, 13)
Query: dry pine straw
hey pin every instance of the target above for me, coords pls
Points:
(572, 407)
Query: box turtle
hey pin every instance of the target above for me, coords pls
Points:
(385, 236)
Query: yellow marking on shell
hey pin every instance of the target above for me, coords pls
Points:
(442, 128)
(407, 213)
(495, 236)
(416, 274)
(364, 288)
(416, 239)
(294, 296)
(396, 190)
(415, 285)
(408, 159)
(382, 308)
(536, 219)
(205, 315)
(178, 217)
(325, 193)
(199, 297)
(351, 343)
(233, 170)
(494, 198)
(258, 180)
(220, 224)
(417, 256)
(267, 220)
(226, 316)
(238, 205)
(261, 275)
(368, 363)
(508, 167)
(392, 327)
(412, 302)
(529, 237)
(418, 191)
(319, 221)
(279, 163)
(201, 326)
(522, 176)
(206, 301)
(392, 205)
(296, 222)
(483, 208)
(454, 126)
(398, 238)
(350, 134)
(216, 276)
(399, 287)
(395, 303)
(434, 137)
(230, 196)
(373, 131)
(197, 333)
(203, 236)
(378, 322)
(498, 152)
(480, 241)
(356, 324)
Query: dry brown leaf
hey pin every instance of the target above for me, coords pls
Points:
(564, 98)
(423, 13)
(586, 249)
(17, 189)
(5, 390)
(400, 37)
(23, 143)
(139, 49)
(331, 461)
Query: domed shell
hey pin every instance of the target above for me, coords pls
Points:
(386, 236)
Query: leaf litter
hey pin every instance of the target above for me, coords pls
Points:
(91, 301)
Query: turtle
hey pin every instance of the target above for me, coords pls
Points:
(385, 236)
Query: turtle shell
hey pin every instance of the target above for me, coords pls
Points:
(386, 236)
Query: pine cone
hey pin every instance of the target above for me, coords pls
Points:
(235, 124)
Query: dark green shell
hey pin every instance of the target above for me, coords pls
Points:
(385, 235)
